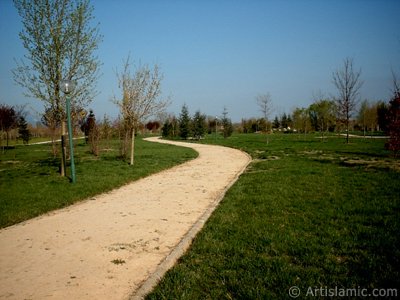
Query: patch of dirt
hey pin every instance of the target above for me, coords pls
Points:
(374, 163)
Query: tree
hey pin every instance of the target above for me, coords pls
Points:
(199, 125)
(184, 123)
(92, 133)
(169, 128)
(265, 104)
(60, 43)
(23, 130)
(152, 126)
(226, 124)
(141, 93)
(8, 119)
(166, 130)
(284, 121)
(276, 123)
(301, 120)
(348, 83)
(394, 120)
(106, 128)
(382, 111)
(322, 115)
(368, 116)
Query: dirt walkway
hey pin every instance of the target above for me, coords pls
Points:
(115, 245)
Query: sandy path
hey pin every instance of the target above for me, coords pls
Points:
(68, 254)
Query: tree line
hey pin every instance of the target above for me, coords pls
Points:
(195, 127)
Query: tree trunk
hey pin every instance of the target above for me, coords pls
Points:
(132, 146)
(347, 128)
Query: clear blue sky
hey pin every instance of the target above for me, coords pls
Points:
(217, 53)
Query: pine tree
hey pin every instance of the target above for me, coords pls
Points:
(184, 123)
(166, 130)
(276, 124)
(23, 130)
(199, 125)
(226, 124)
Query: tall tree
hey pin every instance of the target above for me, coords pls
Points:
(184, 123)
(322, 115)
(368, 116)
(382, 112)
(276, 123)
(60, 41)
(199, 125)
(226, 122)
(23, 130)
(141, 99)
(264, 102)
(301, 120)
(348, 83)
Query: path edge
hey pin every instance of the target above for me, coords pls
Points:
(148, 284)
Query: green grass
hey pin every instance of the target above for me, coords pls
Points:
(30, 184)
(305, 213)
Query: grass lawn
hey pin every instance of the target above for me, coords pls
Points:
(305, 213)
(30, 184)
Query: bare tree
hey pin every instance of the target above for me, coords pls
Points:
(348, 83)
(141, 93)
(265, 104)
(60, 43)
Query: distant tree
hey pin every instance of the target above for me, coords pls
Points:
(199, 125)
(152, 126)
(184, 123)
(276, 123)
(211, 124)
(23, 130)
(289, 121)
(348, 83)
(106, 128)
(260, 125)
(141, 93)
(301, 120)
(264, 102)
(382, 112)
(8, 119)
(368, 116)
(254, 125)
(169, 128)
(322, 115)
(284, 121)
(226, 124)
(166, 130)
(60, 41)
